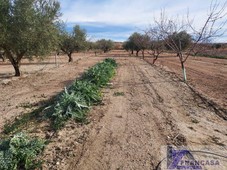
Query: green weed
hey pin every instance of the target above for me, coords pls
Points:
(20, 152)
(119, 94)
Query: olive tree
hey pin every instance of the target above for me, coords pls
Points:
(28, 28)
(217, 46)
(137, 42)
(128, 46)
(93, 46)
(2, 55)
(176, 37)
(104, 45)
(73, 42)
(142, 42)
(134, 40)
(179, 40)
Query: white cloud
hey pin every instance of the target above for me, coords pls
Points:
(127, 12)
(135, 13)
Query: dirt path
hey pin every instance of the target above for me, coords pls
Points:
(152, 109)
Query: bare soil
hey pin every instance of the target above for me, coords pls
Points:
(40, 81)
(207, 75)
(153, 109)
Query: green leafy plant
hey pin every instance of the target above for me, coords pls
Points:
(70, 105)
(87, 90)
(20, 152)
(101, 73)
(111, 61)
(83, 93)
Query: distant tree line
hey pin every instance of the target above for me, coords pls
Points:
(32, 28)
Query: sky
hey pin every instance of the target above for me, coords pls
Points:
(118, 19)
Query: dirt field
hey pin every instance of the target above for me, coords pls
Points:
(127, 131)
(38, 83)
(207, 75)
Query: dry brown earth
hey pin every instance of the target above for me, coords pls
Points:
(207, 75)
(154, 108)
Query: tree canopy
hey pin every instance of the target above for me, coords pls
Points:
(73, 42)
(28, 28)
(137, 42)
(178, 41)
(104, 45)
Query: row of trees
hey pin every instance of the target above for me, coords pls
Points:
(137, 42)
(182, 38)
(153, 44)
(77, 41)
(32, 28)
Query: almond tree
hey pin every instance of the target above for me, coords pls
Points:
(157, 45)
(171, 29)
(28, 28)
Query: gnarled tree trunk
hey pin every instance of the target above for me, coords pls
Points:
(70, 57)
(15, 61)
(2, 56)
(17, 70)
(155, 58)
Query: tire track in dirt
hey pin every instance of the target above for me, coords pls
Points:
(155, 109)
(134, 127)
(206, 74)
(126, 139)
(164, 118)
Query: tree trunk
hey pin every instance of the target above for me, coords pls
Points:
(184, 71)
(143, 54)
(2, 56)
(3, 59)
(155, 58)
(137, 53)
(70, 57)
(132, 52)
(17, 70)
(15, 61)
